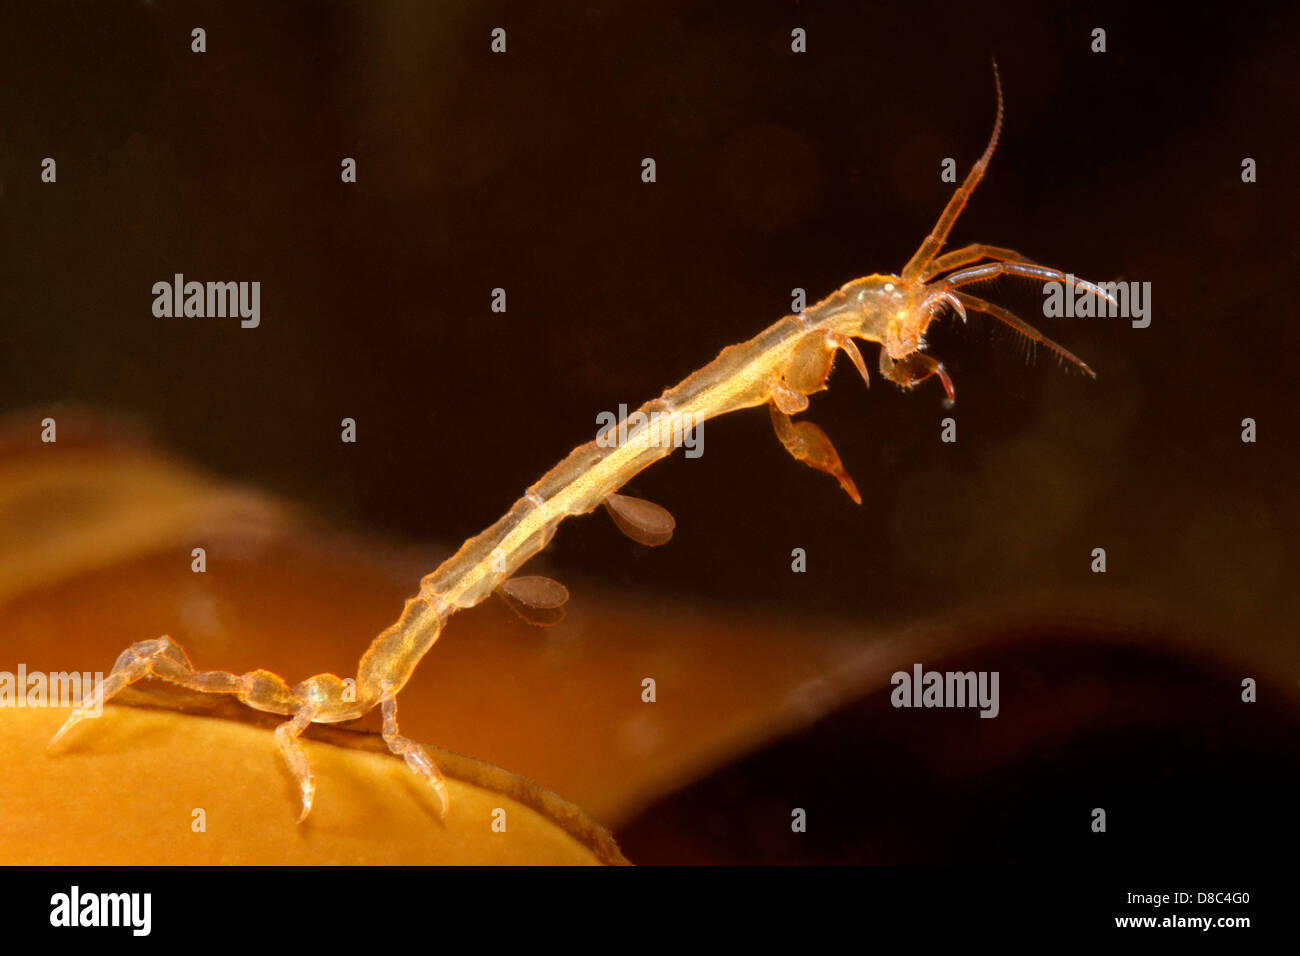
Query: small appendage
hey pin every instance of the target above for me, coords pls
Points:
(286, 739)
(643, 521)
(415, 756)
(787, 400)
(538, 600)
(809, 444)
(914, 369)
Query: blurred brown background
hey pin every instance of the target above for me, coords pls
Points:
(774, 171)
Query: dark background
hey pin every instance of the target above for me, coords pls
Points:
(774, 171)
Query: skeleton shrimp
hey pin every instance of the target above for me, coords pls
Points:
(780, 367)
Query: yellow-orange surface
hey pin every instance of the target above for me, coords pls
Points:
(145, 785)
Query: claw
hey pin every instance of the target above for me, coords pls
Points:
(286, 740)
(955, 302)
(809, 444)
(947, 384)
(132, 664)
(850, 348)
(308, 798)
(416, 757)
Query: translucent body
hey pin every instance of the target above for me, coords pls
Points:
(779, 367)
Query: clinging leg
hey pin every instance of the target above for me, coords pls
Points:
(165, 659)
(286, 739)
(415, 756)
